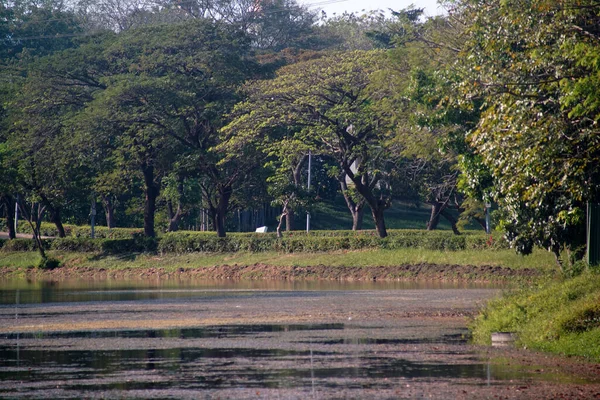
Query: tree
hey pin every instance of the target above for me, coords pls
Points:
(49, 164)
(30, 28)
(350, 31)
(535, 66)
(430, 126)
(330, 101)
(168, 91)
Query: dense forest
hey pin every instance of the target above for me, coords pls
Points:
(177, 114)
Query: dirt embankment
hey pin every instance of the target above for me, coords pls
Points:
(424, 271)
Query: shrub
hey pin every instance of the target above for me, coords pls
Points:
(119, 240)
(76, 244)
(102, 232)
(561, 317)
(23, 245)
(46, 228)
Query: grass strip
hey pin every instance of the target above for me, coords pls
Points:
(540, 259)
(561, 317)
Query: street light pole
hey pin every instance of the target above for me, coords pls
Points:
(308, 189)
(16, 214)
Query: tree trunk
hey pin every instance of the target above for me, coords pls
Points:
(220, 225)
(109, 211)
(379, 221)
(56, 220)
(174, 216)
(151, 191)
(289, 220)
(434, 219)
(34, 218)
(450, 219)
(357, 217)
(357, 209)
(221, 210)
(9, 203)
(284, 213)
(364, 187)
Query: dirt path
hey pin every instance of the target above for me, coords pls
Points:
(240, 343)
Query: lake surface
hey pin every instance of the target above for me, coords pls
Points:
(253, 340)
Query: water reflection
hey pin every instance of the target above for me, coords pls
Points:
(31, 369)
(37, 292)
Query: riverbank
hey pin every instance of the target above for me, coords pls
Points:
(347, 267)
(363, 265)
(441, 273)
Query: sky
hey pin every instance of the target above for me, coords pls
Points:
(357, 6)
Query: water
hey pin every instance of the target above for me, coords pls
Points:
(33, 292)
(272, 341)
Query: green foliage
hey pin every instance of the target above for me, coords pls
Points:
(561, 317)
(21, 245)
(323, 241)
(533, 65)
(102, 232)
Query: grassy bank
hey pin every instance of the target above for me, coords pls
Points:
(540, 260)
(559, 316)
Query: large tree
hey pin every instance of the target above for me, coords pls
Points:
(330, 101)
(535, 64)
(167, 92)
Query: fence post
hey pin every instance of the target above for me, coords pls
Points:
(593, 233)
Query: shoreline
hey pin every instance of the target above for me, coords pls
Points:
(266, 272)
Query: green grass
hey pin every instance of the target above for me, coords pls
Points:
(560, 317)
(335, 215)
(541, 260)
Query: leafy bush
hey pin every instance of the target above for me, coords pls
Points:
(102, 232)
(293, 242)
(22, 245)
(76, 244)
(118, 240)
(561, 317)
(46, 229)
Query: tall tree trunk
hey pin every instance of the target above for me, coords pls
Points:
(109, 211)
(9, 205)
(434, 218)
(379, 221)
(284, 212)
(151, 192)
(357, 217)
(221, 209)
(289, 220)
(220, 224)
(357, 209)
(450, 219)
(364, 187)
(57, 221)
(174, 216)
(34, 219)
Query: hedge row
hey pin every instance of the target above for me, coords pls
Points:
(46, 229)
(84, 245)
(187, 242)
(101, 232)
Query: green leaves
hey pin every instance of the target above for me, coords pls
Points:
(535, 64)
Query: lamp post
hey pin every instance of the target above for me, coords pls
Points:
(93, 217)
(308, 189)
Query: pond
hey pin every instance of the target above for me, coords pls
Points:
(204, 339)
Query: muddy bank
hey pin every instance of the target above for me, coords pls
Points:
(424, 271)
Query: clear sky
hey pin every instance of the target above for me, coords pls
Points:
(357, 6)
